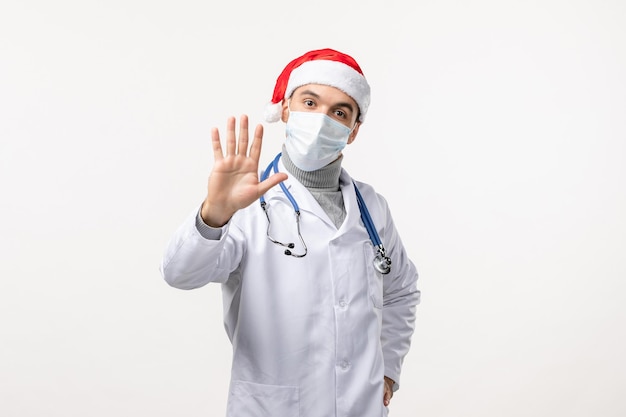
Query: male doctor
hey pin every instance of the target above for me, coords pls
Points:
(319, 294)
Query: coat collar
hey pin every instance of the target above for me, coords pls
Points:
(308, 204)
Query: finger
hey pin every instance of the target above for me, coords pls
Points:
(216, 144)
(230, 136)
(257, 142)
(273, 180)
(242, 146)
(387, 393)
(386, 398)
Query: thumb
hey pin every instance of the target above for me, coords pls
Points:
(273, 180)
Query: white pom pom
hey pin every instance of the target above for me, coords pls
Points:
(273, 111)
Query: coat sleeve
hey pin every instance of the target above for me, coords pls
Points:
(191, 260)
(400, 299)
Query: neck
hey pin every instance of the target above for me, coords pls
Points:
(323, 179)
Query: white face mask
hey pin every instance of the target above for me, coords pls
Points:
(314, 140)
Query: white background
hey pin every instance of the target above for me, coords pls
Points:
(497, 132)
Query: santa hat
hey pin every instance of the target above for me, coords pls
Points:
(322, 66)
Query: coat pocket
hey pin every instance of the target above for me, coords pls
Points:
(248, 399)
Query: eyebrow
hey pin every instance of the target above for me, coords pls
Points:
(340, 104)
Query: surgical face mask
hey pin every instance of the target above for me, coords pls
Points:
(314, 140)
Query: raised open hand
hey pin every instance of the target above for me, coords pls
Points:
(234, 180)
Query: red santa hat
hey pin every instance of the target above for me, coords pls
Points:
(322, 66)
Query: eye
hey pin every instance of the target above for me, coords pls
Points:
(309, 103)
(341, 114)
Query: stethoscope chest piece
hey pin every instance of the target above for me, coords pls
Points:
(382, 263)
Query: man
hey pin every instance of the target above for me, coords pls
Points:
(319, 310)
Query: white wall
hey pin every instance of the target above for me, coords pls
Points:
(497, 132)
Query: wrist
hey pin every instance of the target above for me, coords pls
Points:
(213, 217)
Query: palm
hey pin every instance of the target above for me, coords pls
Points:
(234, 181)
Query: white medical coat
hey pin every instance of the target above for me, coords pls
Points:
(311, 336)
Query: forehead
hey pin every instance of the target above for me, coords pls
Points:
(326, 93)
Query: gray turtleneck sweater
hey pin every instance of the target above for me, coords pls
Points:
(322, 183)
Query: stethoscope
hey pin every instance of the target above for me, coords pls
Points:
(382, 262)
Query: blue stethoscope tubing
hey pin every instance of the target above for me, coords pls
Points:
(274, 165)
(382, 262)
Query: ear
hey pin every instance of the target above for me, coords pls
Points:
(354, 133)
(285, 112)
